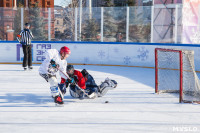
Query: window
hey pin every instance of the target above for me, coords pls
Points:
(7, 5)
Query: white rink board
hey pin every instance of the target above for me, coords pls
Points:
(94, 53)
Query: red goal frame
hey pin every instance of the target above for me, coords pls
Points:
(180, 69)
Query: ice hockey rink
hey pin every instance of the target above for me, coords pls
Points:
(27, 107)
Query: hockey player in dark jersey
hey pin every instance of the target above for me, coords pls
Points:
(82, 84)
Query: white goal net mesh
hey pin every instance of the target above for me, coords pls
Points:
(169, 74)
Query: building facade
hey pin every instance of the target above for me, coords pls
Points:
(8, 9)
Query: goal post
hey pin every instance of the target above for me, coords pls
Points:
(175, 73)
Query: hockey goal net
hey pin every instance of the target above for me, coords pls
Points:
(175, 73)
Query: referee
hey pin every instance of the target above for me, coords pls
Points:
(25, 37)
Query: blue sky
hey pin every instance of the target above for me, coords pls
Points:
(60, 2)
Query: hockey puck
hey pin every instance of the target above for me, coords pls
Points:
(106, 101)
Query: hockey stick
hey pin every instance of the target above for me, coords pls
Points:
(67, 76)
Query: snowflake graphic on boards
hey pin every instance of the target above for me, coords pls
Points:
(143, 53)
(101, 54)
(127, 60)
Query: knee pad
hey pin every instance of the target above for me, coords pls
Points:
(54, 86)
(53, 81)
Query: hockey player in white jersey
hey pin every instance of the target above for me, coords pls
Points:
(49, 67)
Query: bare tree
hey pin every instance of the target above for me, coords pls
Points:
(68, 15)
(131, 2)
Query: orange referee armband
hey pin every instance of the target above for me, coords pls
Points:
(18, 36)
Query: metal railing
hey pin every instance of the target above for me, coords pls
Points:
(149, 24)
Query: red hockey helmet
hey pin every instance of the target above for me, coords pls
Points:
(65, 50)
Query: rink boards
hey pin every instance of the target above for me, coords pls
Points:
(97, 53)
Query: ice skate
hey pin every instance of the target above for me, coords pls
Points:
(30, 68)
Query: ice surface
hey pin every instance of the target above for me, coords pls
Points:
(26, 105)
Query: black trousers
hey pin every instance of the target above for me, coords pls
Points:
(27, 50)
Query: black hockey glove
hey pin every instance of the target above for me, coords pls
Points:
(70, 80)
(66, 84)
(53, 64)
(53, 67)
(73, 80)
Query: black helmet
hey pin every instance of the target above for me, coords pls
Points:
(85, 73)
(70, 70)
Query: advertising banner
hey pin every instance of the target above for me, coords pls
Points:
(130, 54)
(191, 21)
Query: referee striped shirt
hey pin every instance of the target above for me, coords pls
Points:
(25, 37)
